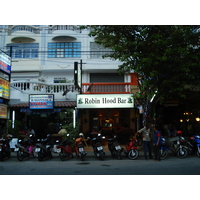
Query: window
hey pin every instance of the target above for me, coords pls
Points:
(64, 50)
(26, 50)
(97, 51)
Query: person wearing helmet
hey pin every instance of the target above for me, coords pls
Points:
(78, 141)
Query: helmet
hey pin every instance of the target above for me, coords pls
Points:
(179, 132)
(81, 134)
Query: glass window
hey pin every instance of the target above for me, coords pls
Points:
(26, 50)
(67, 50)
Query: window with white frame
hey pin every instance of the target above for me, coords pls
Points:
(97, 50)
(64, 50)
(25, 50)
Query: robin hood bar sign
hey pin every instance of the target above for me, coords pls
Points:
(105, 101)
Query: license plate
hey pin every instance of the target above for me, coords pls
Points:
(117, 147)
(37, 150)
(100, 148)
(16, 149)
(81, 149)
(58, 150)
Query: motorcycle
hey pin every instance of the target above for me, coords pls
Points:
(97, 146)
(5, 148)
(65, 149)
(24, 148)
(131, 149)
(44, 148)
(114, 147)
(164, 151)
(193, 145)
(80, 151)
(177, 146)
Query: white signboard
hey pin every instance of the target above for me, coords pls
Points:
(105, 101)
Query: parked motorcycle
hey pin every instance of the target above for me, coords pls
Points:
(65, 149)
(44, 148)
(97, 146)
(80, 151)
(193, 145)
(115, 148)
(177, 146)
(24, 148)
(5, 147)
(131, 149)
(164, 151)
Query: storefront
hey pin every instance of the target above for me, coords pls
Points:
(107, 113)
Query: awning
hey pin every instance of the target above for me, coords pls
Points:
(58, 104)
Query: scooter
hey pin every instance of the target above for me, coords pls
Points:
(65, 149)
(5, 148)
(24, 148)
(44, 148)
(97, 147)
(131, 149)
(178, 147)
(193, 145)
(164, 151)
(114, 147)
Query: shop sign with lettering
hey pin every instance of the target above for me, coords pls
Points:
(105, 101)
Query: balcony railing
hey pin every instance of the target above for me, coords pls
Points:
(106, 88)
(87, 88)
(43, 88)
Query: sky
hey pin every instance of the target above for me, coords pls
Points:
(104, 12)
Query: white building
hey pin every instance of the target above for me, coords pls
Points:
(43, 63)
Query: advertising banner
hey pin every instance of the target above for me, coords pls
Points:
(105, 101)
(41, 101)
(4, 89)
(3, 111)
(5, 62)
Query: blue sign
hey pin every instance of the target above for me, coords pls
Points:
(5, 62)
(41, 101)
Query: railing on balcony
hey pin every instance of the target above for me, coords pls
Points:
(87, 88)
(37, 87)
(106, 88)
(63, 27)
(27, 28)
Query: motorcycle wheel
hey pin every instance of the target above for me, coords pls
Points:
(133, 154)
(62, 155)
(101, 155)
(82, 157)
(50, 155)
(182, 153)
(20, 156)
(1, 157)
(163, 154)
(40, 155)
(119, 155)
(198, 153)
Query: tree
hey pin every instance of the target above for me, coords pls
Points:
(164, 57)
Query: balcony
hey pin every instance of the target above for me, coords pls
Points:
(106, 88)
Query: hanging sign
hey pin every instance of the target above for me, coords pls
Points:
(41, 101)
(3, 111)
(105, 101)
(5, 62)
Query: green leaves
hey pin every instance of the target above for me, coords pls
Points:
(165, 57)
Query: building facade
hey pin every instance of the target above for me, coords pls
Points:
(43, 63)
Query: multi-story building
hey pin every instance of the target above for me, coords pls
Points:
(43, 60)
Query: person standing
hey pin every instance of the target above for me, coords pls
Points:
(146, 141)
(157, 142)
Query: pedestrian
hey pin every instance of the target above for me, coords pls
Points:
(157, 143)
(146, 141)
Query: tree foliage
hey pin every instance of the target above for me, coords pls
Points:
(165, 57)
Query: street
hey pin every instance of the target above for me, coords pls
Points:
(91, 166)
